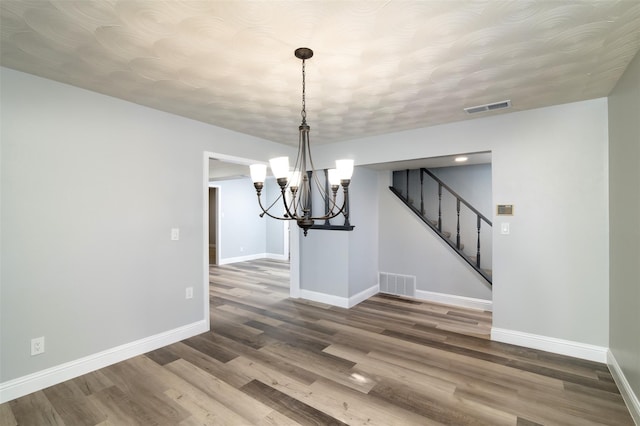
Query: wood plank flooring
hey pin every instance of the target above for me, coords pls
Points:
(270, 360)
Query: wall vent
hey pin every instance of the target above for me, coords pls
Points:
(488, 107)
(399, 285)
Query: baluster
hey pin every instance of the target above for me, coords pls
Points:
(478, 256)
(326, 199)
(458, 223)
(439, 207)
(407, 195)
(422, 193)
(310, 205)
(346, 208)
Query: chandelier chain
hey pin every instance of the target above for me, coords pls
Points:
(304, 104)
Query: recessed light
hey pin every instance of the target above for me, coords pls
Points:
(461, 159)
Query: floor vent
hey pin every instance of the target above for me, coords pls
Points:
(488, 107)
(400, 285)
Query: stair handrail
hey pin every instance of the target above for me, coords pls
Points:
(455, 194)
(437, 226)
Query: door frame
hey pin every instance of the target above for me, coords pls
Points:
(218, 189)
(292, 243)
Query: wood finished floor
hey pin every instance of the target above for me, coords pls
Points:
(270, 360)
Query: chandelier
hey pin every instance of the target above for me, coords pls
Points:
(295, 185)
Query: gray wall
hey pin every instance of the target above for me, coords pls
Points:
(324, 262)
(91, 187)
(363, 247)
(344, 263)
(551, 163)
(242, 230)
(624, 223)
(243, 233)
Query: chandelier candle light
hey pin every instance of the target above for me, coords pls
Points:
(297, 204)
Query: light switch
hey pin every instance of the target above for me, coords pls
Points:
(504, 228)
(175, 234)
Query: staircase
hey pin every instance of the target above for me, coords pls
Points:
(407, 188)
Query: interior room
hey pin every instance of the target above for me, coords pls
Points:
(140, 267)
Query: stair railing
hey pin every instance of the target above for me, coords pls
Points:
(473, 261)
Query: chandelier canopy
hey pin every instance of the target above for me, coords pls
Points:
(297, 200)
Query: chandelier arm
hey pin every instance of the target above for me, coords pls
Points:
(323, 193)
(300, 167)
(344, 208)
(333, 204)
(272, 204)
(306, 146)
(296, 217)
(293, 204)
(286, 205)
(336, 214)
(266, 211)
(332, 200)
(334, 194)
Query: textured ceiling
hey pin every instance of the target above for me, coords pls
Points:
(379, 66)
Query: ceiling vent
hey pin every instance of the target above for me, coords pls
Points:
(488, 107)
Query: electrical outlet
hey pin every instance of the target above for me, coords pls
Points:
(37, 346)
(189, 293)
(175, 234)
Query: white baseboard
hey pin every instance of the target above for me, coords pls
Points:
(276, 256)
(451, 299)
(344, 302)
(550, 344)
(24, 385)
(630, 398)
(329, 299)
(363, 295)
(248, 257)
(237, 259)
(341, 302)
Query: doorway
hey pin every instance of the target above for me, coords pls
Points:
(219, 170)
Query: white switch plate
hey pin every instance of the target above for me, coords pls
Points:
(189, 293)
(504, 228)
(37, 346)
(175, 234)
